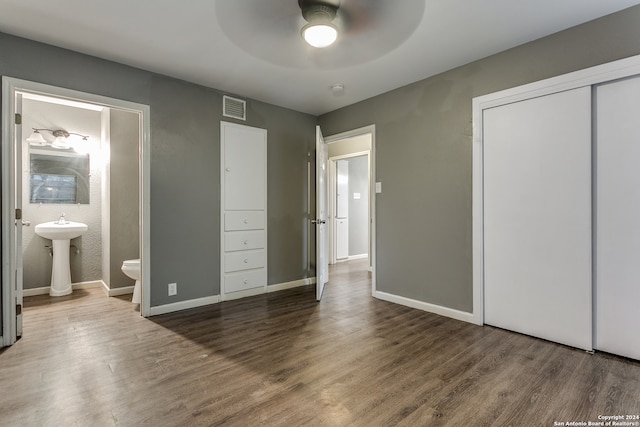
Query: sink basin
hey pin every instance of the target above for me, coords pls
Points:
(61, 235)
(54, 231)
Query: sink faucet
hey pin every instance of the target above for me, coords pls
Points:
(62, 221)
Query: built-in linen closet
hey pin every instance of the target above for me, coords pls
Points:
(559, 246)
(243, 210)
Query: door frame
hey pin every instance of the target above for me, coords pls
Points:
(587, 77)
(366, 130)
(12, 85)
(332, 200)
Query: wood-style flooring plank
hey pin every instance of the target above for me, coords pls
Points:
(283, 359)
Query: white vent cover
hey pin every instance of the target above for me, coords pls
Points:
(234, 108)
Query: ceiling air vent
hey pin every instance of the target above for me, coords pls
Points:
(234, 108)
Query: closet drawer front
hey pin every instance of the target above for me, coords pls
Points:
(243, 240)
(244, 260)
(244, 220)
(245, 280)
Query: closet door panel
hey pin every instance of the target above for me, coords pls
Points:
(618, 218)
(244, 168)
(537, 217)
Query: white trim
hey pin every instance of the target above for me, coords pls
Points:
(183, 305)
(88, 285)
(370, 129)
(114, 292)
(425, 306)
(289, 285)
(199, 302)
(360, 256)
(588, 77)
(9, 318)
(332, 199)
(32, 292)
(80, 285)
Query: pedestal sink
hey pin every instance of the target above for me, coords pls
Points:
(60, 233)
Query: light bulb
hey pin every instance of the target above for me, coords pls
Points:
(319, 35)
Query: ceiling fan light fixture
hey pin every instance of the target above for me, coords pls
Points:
(320, 34)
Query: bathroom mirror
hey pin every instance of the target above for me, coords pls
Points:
(58, 176)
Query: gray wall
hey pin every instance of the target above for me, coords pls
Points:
(423, 154)
(185, 164)
(358, 208)
(124, 229)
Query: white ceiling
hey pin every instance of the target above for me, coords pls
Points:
(253, 48)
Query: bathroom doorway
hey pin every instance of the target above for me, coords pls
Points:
(103, 149)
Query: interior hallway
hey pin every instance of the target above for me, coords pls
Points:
(284, 359)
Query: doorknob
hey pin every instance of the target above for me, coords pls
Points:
(25, 223)
(318, 221)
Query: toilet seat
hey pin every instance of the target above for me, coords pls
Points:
(131, 263)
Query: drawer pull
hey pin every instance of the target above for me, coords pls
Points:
(246, 221)
(246, 260)
(246, 242)
(246, 282)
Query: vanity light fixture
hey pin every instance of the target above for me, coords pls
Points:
(60, 136)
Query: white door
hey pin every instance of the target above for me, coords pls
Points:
(245, 151)
(12, 229)
(537, 217)
(322, 240)
(20, 222)
(618, 218)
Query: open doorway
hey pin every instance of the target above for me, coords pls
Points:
(39, 122)
(352, 201)
(349, 207)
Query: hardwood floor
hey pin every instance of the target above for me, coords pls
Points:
(283, 359)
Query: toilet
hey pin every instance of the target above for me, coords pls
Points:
(131, 268)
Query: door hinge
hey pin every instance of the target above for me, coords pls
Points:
(18, 309)
(18, 119)
(18, 213)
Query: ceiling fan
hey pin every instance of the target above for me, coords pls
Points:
(320, 31)
(327, 18)
(272, 30)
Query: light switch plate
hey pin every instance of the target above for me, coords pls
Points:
(378, 187)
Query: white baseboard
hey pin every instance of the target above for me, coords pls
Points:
(35, 291)
(114, 292)
(243, 293)
(360, 256)
(183, 305)
(288, 285)
(425, 306)
(45, 289)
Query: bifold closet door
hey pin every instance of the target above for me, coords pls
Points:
(617, 283)
(537, 217)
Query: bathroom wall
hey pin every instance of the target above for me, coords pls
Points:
(124, 195)
(358, 205)
(85, 266)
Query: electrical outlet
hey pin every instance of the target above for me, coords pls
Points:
(173, 289)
